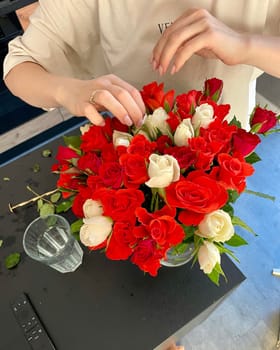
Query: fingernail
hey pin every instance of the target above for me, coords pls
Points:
(160, 70)
(127, 120)
(173, 69)
(154, 65)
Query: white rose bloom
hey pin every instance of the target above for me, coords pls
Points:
(183, 132)
(121, 138)
(216, 226)
(155, 122)
(92, 208)
(208, 256)
(95, 230)
(85, 128)
(162, 170)
(203, 116)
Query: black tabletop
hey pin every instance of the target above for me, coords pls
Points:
(104, 304)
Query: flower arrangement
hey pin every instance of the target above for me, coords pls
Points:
(169, 184)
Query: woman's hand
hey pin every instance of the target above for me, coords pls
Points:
(198, 32)
(89, 97)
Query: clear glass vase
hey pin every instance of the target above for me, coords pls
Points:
(174, 259)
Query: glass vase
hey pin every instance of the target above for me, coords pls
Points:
(174, 258)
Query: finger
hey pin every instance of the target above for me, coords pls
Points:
(189, 48)
(92, 114)
(129, 103)
(131, 89)
(177, 39)
(110, 103)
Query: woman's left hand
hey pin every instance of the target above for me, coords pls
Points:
(198, 32)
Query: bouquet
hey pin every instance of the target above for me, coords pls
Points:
(139, 193)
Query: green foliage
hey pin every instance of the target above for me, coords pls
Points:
(47, 209)
(215, 274)
(236, 241)
(253, 158)
(238, 222)
(73, 142)
(12, 260)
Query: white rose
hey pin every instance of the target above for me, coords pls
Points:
(162, 170)
(85, 128)
(203, 116)
(155, 122)
(121, 138)
(95, 230)
(216, 226)
(183, 132)
(92, 208)
(208, 256)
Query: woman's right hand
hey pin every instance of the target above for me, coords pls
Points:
(89, 97)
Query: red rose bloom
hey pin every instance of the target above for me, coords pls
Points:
(140, 145)
(89, 163)
(213, 88)
(94, 139)
(197, 193)
(245, 142)
(186, 103)
(111, 174)
(265, 118)
(121, 204)
(154, 96)
(65, 154)
(121, 242)
(135, 170)
(147, 257)
(233, 171)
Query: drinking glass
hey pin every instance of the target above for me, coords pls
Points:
(49, 240)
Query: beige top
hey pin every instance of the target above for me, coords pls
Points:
(89, 38)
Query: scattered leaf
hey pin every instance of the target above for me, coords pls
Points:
(55, 197)
(46, 153)
(64, 206)
(39, 204)
(6, 179)
(12, 260)
(1, 242)
(47, 209)
(36, 168)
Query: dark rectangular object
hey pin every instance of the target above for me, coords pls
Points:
(8, 6)
(104, 304)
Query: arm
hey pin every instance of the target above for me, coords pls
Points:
(198, 32)
(36, 86)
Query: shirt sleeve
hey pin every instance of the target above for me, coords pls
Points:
(52, 39)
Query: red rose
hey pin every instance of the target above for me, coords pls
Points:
(263, 120)
(111, 174)
(154, 97)
(233, 171)
(184, 155)
(121, 204)
(117, 125)
(65, 154)
(108, 153)
(163, 142)
(173, 121)
(77, 207)
(95, 138)
(121, 242)
(147, 257)
(213, 88)
(220, 110)
(140, 145)
(94, 182)
(187, 102)
(245, 142)
(135, 169)
(204, 152)
(221, 133)
(69, 181)
(198, 193)
(89, 163)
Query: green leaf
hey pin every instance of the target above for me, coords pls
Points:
(76, 225)
(189, 230)
(229, 209)
(46, 153)
(1, 242)
(255, 128)
(6, 179)
(39, 204)
(238, 222)
(47, 209)
(73, 141)
(235, 122)
(253, 158)
(64, 206)
(36, 168)
(215, 274)
(232, 195)
(236, 241)
(260, 194)
(55, 197)
(12, 260)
